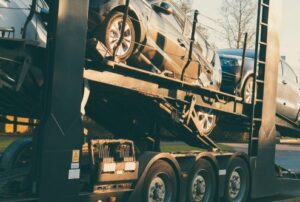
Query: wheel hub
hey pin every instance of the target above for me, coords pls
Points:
(157, 190)
(206, 120)
(234, 184)
(198, 188)
(249, 93)
(115, 35)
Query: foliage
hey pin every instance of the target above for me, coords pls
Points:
(186, 7)
(238, 18)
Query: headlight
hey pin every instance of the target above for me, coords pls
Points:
(231, 62)
(239, 62)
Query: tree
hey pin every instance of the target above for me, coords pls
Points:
(186, 7)
(238, 18)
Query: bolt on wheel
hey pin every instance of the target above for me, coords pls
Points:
(157, 190)
(202, 182)
(237, 181)
(234, 183)
(160, 183)
(198, 188)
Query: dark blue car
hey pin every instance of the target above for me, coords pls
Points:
(288, 93)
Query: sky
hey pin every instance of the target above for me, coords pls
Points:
(290, 29)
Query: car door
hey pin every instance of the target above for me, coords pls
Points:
(291, 99)
(280, 100)
(166, 33)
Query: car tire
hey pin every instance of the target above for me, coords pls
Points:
(160, 183)
(248, 90)
(12, 153)
(202, 182)
(208, 121)
(237, 182)
(112, 33)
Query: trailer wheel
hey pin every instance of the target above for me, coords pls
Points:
(202, 182)
(237, 183)
(160, 183)
(16, 155)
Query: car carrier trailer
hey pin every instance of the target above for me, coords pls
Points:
(114, 167)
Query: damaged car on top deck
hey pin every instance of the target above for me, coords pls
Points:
(157, 37)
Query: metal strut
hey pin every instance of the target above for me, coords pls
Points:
(186, 125)
(29, 18)
(190, 56)
(192, 117)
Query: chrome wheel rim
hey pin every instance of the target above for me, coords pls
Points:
(207, 121)
(248, 93)
(115, 30)
(234, 184)
(157, 190)
(198, 188)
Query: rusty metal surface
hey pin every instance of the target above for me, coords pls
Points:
(263, 156)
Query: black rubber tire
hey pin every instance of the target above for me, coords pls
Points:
(12, 153)
(240, 166)
(204, 168)
(165, 171)
(104, 35)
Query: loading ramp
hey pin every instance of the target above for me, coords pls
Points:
(178, 101)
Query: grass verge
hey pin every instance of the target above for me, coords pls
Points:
(6, 140)
(182, 147)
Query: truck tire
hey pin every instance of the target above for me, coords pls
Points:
(202, 182)
(14, 156)
(160, 183)
(237, 183)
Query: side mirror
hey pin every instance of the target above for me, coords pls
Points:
(44, 14)
(164, 8)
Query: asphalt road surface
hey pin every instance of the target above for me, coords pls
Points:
(287, 155)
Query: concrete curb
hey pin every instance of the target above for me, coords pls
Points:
(289, 141)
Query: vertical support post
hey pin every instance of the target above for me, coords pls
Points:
(59, 136)
(262, 146)
(194, 29)
(243, 58)
(15, 125)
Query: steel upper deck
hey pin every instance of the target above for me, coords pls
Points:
(155, 85)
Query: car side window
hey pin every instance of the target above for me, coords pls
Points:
(41, 4)
(289, 74)
(174, 20)
(280, 71)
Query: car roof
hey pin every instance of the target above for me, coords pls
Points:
(237, 52)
